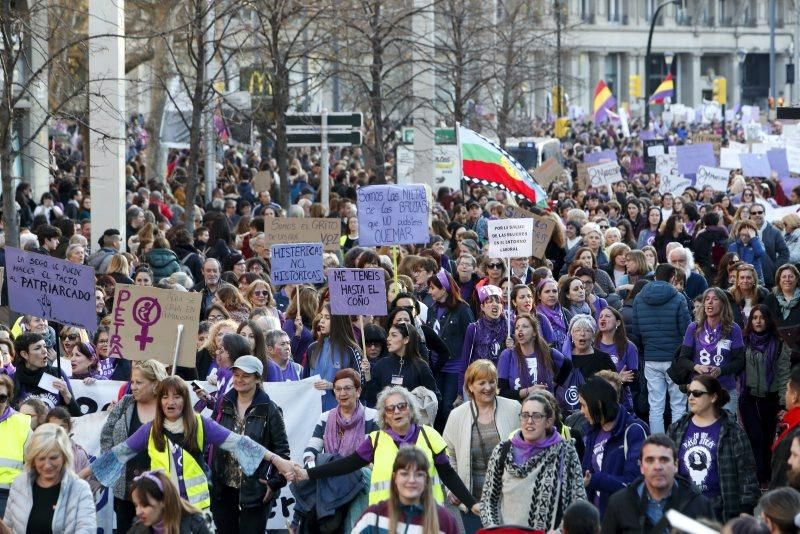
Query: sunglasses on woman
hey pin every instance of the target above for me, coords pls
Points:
(71, 337)
(495, 266)
(696, 393)
(399, 407)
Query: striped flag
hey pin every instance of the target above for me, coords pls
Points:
(603, 100)
(665, 89)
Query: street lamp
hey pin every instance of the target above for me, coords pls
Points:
(647, 57)
(741, 55)
(669, 55)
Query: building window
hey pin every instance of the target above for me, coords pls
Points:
(614, 10)
(612, 73)
(586, 10)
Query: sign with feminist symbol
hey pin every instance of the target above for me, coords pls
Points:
(145, 324)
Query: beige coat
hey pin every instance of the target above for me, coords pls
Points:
(458, 433)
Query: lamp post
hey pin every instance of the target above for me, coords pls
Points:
(647, 58)
(741, 55)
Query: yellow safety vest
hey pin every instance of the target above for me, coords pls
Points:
(194, 478)
(385, 453)
(15, 431)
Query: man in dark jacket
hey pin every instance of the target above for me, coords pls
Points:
(641, 507)
(660, 318)
(777, 252)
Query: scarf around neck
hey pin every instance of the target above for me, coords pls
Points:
(582, 308)
(411, 434)
(790, 420)
(524, 451)
(766, 344)
(175, 427)
(786, 306)
(342, 435)
(554, 315)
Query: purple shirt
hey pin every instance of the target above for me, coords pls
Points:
(698, 457)
(712, 348)
(597, 459)
(276, 374)
(366, 451)
(629, 360)
(507, 369)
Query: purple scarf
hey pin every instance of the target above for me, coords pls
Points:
(342, 435)
(490, 338)
(9, 411)
(766, 345)
(408, 439)
(554, 315)
(524, 451)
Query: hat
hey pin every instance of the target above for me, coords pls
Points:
(249, 364)
(486, 291)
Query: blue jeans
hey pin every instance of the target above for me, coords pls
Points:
(733, 404)
(658, 384)
(448, 387)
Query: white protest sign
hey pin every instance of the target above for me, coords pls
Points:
(97, 396)
(759, 148)
(655, 150)
(717, 179)
(673, 184)
(737, 147)
(729, 158)
(667, 164)
(604, 174)
(793, 158)
(510, 238)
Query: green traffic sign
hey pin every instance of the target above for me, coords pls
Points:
(441, 136)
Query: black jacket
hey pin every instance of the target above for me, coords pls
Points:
(414, 372)
(264, 425)
(452, 330)
(625, 513)
(788, 328)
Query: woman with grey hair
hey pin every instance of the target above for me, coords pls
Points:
(586, 359)
(398, 419)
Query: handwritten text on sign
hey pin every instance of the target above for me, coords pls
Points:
(510, 238)
(712, 177)
(542, 229)
(604, 174)
(357, 291)
(393, 215)
(53, 289)
(279, 230)
(300, 263)
(145, 323)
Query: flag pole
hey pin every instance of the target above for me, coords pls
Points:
(461, 182)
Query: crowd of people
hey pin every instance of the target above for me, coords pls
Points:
(647, 362)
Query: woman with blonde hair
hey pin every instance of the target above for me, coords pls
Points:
(232, 300)
(49, 496)
(747, 292)
(410, 502)
(636, 267)
(161, 508)
(119, 269)
(791, 225)
(259, 295)
(475, 428)
(76, 253)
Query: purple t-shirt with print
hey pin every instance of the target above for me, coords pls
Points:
(698, 457)
(712, 347)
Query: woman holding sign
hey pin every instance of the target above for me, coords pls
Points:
(449, 317)
(487, 336)
(334, 349)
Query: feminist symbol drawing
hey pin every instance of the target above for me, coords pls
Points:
(146, 313)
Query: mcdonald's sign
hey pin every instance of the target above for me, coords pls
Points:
(256, 81)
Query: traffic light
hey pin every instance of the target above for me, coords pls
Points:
(563, 125)
(721, 90)
(635, 86)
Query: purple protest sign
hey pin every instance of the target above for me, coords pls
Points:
(53, 289)
(646, 135)
(690, 157)
(787, 184)
(393, 215)
(600, 157)
(298, 263)
(755, 165)
(778, 162)
(357, 291)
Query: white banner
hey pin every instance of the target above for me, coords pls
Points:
(604, 174)
(510, 238)
(300, 402)
(711, 176)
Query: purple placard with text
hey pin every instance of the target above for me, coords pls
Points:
(50, 288)
(755, 165)
(599, 157)
(357, 291)
(690, 157)
(787, 184)
(393, 215)
(778, 162)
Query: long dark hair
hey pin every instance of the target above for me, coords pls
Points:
(341, 337)
(453, 293)
(175, 384)
(260, 348)
(601, 400)
(620, 336)
(771, 326)
(163, 491)
(412, 348)
(540, 347)
(669, 226)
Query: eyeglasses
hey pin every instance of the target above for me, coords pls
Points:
(344, 389)
(495, 266)
(374, 343)
(696, 393)
(756, 213)
(399, 407)
(535, 416)
(260, 293)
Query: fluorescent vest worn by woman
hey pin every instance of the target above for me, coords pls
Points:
(386, 450)
(14, 431)
(194, 478)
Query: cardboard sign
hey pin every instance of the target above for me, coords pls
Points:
(676, 185)
(793, 158)
(548, 173)
(604, 174)
(778, 162)
(510, 238)
(729, 158)
(714, 139)
(279, 230)
(393, 215)
(145, 324)
(755, 165)
(667, 164)
(357, 291)
(583, 175)
(690, 157)
(50, 288)
(717, 179)
(542, 228)
(262, 181)
(299, 263)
